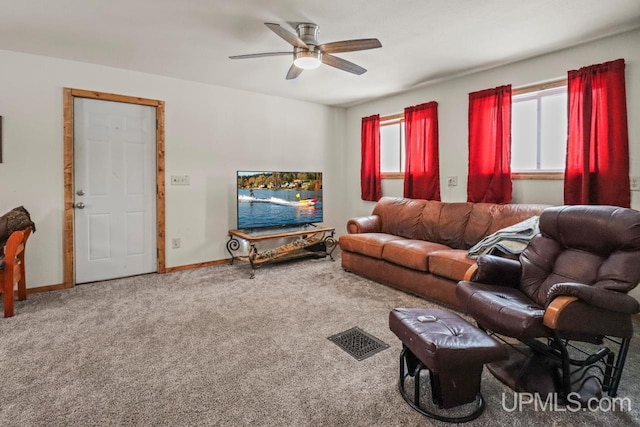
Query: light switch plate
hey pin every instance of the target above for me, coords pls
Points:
(180, 180)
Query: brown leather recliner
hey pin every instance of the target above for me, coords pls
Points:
(570, 285)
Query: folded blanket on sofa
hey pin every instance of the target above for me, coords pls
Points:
(510, 240)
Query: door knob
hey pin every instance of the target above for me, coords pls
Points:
(79, 205)
(80, 192)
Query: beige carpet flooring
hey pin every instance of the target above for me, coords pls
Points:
(211, 347)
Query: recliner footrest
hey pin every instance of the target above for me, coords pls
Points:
(453, 350)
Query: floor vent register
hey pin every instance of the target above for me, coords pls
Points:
(358, 343)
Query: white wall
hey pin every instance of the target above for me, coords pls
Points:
(452, 98)
(213, 131)
(210, 133)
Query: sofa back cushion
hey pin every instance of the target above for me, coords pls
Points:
(487, 218)
(399, 216)
(444, 223)
(457, 225)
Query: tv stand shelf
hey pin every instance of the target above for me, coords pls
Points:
(308, 241)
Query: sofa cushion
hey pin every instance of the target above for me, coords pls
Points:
(450, 263)
(487, 218)
(453, 221)
(444, 223)
(369, 244)
(410, 253)
(398, 216)
(429, 226)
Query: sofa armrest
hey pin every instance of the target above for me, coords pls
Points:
(598, 297)
(365, 224)
(494, 270)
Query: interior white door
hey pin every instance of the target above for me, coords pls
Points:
(115, 189)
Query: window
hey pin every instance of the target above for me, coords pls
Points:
(392, 147)
(539, 130)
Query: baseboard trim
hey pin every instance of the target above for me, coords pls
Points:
(48, 288)
(61, 286)
(197, 265)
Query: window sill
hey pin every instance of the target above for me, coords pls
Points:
(514, 175)
(392, 175)
(538, 175)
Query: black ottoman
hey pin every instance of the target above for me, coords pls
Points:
(453, 351)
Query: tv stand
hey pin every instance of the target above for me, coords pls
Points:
(306, 242)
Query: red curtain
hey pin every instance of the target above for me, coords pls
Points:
(490, 146)
(422, 174)
(370, 181)
(597, 168)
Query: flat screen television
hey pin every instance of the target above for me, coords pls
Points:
(278, 199)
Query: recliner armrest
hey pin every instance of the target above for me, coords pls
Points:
(365, 224)
(598, 297)
(494, 270)
(554, 310)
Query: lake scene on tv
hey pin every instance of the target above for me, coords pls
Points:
(278, 199)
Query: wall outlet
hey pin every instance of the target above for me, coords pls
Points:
(452, 181)
(175, 243)
(180, 180)
(635, 183)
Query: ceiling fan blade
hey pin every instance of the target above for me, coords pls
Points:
(342, 64)
(287, 35)
(294, 72)
(259, 55)
(350, 45)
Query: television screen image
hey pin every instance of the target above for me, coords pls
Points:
(278, 199)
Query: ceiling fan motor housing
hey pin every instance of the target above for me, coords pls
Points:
(308, 33)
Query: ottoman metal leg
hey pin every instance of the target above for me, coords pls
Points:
(413, 368)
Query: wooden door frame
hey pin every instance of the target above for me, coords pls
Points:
(68, 228)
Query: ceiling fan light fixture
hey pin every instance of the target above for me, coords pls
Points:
(308, 53)
(307, 59)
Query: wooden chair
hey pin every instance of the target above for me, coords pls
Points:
(12, 269)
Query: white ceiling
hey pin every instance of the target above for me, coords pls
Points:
(422, 40)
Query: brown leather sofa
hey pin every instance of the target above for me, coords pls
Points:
(420, 246)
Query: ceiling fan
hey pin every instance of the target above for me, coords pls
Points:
(308, 53)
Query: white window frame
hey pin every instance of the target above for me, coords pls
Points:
(537, 92)
(395, 119)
